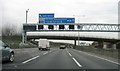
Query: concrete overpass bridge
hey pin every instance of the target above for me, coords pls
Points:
(69, 36)
(74, 36)
(73, 28)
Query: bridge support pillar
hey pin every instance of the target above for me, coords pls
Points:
(24, 37)
(113, 45)
(105, 45)
(100, 44)
(118, 45)
(74, 44)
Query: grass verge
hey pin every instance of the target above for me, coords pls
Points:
(16, 42)
(110, 53)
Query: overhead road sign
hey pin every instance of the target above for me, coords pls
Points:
(40, 26)
(29, 27)
(50, 26)
(57, 20)
(71, 27)
(46, 15)
(61, 27)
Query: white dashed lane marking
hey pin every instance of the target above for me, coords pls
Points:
(69, 54)
(77, 62)
(74, 59)
(45, 53)
(30, 59)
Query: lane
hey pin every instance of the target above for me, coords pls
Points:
(74, 59)
(58, 59)
(90, 62)
(23, 56)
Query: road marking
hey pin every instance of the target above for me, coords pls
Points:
(74, 59)
(77, 62)
(101, 58)
(69, 54)
(45, 53)
(67, 51)
(30, 59)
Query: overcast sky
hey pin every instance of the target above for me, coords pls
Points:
(85, 11)
(102, 11)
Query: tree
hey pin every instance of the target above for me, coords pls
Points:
(9, 30)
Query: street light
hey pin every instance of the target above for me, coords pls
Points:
(26, 15)
(78, 26)
(24, 37)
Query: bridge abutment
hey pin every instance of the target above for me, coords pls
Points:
(105, 45)
(108, 45)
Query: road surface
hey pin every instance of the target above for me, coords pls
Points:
(58, 59)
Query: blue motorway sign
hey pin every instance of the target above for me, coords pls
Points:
(57, 20)
(46, 15)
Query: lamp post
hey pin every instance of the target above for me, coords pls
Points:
(24, 37)
(26, 15)
(78, 26)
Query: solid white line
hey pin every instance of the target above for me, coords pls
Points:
(69, 54)
(45, 53)
(30, 59)
(77, 62)
(102, 58)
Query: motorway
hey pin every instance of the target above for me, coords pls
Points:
(32, 58)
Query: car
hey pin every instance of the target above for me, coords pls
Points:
(62, 46)
(7, 52)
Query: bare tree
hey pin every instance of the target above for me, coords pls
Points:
(9, 30)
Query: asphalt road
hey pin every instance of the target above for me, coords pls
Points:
(58, 59)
